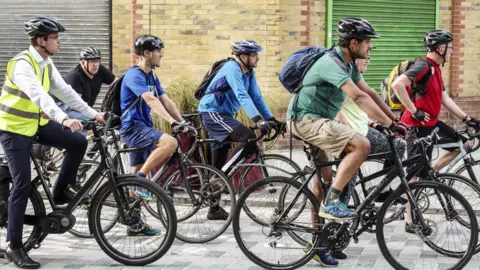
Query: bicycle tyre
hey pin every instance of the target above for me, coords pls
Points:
(237, 230)
(463, 168)
(241, 185)
(36, 236)
(212, 173)
(443, 189)
(76, 230)
(281, 158)
(167, 207)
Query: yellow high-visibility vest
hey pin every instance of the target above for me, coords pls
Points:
(18, 114)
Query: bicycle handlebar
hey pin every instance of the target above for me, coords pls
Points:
(254, 127)
(110, 119)
(470, 133)
(190, 115)
(181, 129)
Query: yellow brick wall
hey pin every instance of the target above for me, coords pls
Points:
(470, 85)
(445, 22)
(198, 32)
(121, 35)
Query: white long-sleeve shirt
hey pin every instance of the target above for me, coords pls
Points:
(24, 77)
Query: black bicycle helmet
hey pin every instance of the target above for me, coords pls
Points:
(355, 28)
(435, 38)
(147, 42)
(90, 53)
(42, 26)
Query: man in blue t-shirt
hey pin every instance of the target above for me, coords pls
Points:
(140, 94)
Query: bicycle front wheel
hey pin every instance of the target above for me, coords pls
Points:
(140, 239)
(464, 171)
(444, 239)
(274, 247)
(85, 171)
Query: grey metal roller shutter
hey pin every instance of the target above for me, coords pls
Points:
(87, 23)
(401, 25)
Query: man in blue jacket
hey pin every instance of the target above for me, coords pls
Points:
(234, 86)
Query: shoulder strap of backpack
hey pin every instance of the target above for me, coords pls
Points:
(138, 98)
(215, 92)
(332, 52)
(426, 77)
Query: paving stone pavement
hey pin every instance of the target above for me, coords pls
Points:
(69, 252)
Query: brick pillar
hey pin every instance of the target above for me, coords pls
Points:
(457, 63)
(136, 27)
(306, 22)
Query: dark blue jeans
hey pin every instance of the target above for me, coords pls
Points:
(17, 153)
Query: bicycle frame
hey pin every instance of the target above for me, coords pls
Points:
(178, 155)
(466, 156)
(391, 173)
(106, 164)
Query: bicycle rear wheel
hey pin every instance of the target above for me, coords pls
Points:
(32, 234)
(442, 229)
(141, 238)
(248, 177)
(200, 220)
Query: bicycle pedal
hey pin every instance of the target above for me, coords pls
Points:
(355, 239)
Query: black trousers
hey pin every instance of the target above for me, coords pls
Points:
(17, 153)
(240, 134)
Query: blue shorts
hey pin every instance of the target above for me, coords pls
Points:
(219, 126)
(139, 135)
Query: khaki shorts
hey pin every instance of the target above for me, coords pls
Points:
(328, 135)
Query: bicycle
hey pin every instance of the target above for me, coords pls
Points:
(190, 185)
(50, 158)
(468, 189)
(467, 169)
(285, 218)
(116, 197)
(267, 164)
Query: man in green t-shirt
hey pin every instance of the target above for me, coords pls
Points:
(317, 106)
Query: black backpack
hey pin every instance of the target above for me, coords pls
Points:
(207, 79)
(111, 103)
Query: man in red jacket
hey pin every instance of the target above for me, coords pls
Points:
(422, 111)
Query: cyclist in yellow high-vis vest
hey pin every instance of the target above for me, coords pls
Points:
(30, 77)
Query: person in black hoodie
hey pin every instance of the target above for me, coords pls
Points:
(87, 79)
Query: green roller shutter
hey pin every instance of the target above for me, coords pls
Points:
(400, 24)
